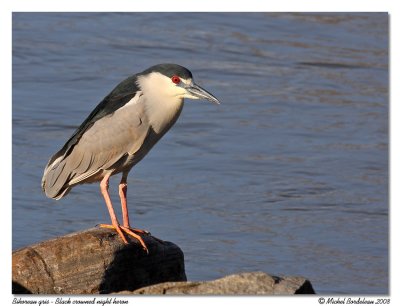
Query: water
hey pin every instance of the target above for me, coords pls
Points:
(288, 176)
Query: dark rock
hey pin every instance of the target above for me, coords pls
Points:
(94, 261)
(254, 283)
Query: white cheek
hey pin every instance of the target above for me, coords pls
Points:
(175, 90)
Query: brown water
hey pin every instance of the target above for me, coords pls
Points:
(289, 175)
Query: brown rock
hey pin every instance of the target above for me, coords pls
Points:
(254, 283)
(94, 261)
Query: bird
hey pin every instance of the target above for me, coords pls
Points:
(118, 134)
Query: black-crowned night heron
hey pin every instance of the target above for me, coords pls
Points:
(119, 132)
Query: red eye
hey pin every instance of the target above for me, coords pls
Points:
(175, 79)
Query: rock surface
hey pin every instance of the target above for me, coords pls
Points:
(253, 283)
(94, 261)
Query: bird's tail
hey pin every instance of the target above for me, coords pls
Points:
(55, 179)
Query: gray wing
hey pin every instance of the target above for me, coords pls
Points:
(102, 147)
(117, 98)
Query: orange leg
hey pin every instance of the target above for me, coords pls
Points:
(123, 186)
(115, 224)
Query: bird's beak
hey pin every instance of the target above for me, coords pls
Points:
(197, 92)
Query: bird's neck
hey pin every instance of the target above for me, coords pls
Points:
(162, 104)
(163, 115)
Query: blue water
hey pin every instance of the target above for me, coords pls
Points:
(289, 175)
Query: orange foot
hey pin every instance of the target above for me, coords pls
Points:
(130, 231)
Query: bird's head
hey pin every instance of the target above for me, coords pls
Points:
(171, 80)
